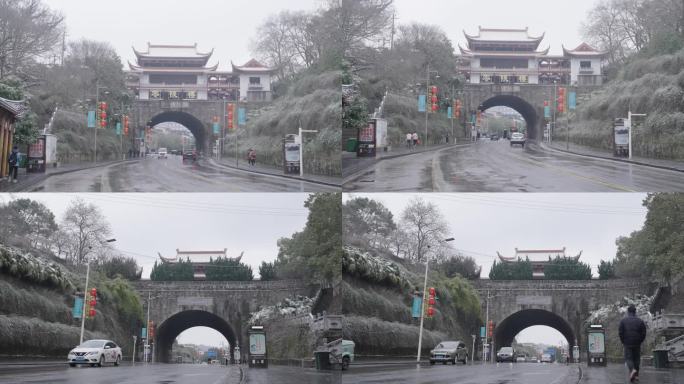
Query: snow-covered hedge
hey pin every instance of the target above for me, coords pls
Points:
(300, 305)
(33, 269)
(374, 269)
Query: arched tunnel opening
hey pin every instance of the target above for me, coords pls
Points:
(525, 109)
(506, 330)
(187, 120)
(169, 330)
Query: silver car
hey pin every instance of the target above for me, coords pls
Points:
(518, 138)
(449, 351)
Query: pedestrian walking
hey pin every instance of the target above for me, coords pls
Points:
(409, 140)
(251, 157)
(632, 333)
(13, 161)
(414, 137)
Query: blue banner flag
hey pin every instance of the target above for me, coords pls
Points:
(91, 119)
(118, 129)
(547, 112)
(421, 103)
(482, 332)
(449, 112)
(143, 334)
(217, 128)
(572, 100)
(417, 306)
(77, 311)
(242, 116)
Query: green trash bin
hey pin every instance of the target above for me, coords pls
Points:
(660, 359)
(351, 145)
(322, 360)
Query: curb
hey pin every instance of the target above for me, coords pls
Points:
(627, 161)
(243, 377)
(57, 173)
(388, 157)
(213, 162)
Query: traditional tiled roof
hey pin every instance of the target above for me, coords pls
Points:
(198, 256)
(503, 35)
(468, 52)
(134, 67)
(252, 66)
(584, 50)
(542, 255)
(16, 108)
(172, 51)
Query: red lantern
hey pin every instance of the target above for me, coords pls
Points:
(431, 291)
(91, 313)
(430, 312)
(431, 301)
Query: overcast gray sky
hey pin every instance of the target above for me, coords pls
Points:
(560, 20)
(226, 26)
(483, 224)
(146, 223)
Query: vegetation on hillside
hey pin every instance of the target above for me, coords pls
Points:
(558, 268)
(655, 251)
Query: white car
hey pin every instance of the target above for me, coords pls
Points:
(161, 154)
(95, 352)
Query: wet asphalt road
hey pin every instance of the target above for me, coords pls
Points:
(495, 166)
(127, 374)
(170, 175)
(292, 375)
(520, 373)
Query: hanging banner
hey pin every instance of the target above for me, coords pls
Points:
(77, 311)
(118, 129)
(415, 308)
(421, 103)
(547, 112)
(572, 100)
(217, 128)
(483, 331)
(449, 112)
(242, 116)
(91, 119)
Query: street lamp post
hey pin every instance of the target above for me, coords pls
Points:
(85, 292)
(422, 312)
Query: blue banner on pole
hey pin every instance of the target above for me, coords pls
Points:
(143, 334)
(77, 311)
(449, 113)
(421, 103)
(572, 100)
(91, 119)
(547, 112)
(217, 128)
(416, 309)
(118, 129)
(473, 119)
(482, 332)
(242, 116)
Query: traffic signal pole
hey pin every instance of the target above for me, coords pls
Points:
(484, 341)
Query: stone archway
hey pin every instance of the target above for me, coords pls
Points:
(179, 322)
(507, 329)
(193, 124)
(524, 108)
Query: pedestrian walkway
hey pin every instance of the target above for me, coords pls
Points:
(266, 170)
(26, 180)
(352, 164)
(617, 374)
(608, 154)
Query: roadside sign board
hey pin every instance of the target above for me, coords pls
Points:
(415, 308)
(91, 119)
(78, 308)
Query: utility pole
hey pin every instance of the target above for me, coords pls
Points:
(629, 119)
(484, 341)
(301, 147)
(555, 105)
(85, 292)
(427, 94)
(147, 326)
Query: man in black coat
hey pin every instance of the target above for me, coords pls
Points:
(632, 334)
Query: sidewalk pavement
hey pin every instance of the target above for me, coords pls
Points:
(617, 374)
(608, 154)
(266, 170)
(352, 164)
(26, 180)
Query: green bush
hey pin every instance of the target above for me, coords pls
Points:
(29, 268)
(517, 270)
(228, 269)
(565, 268)
(374, 269)
(181, 271)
